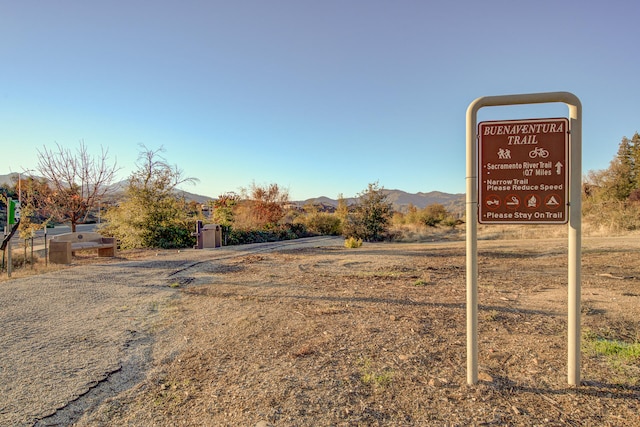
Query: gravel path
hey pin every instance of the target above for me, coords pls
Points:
(71, 339)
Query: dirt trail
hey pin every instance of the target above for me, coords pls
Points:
(71, 339)
(329, 336)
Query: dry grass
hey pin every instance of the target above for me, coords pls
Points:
(405, 233)
(414, 233)
(32, 266)
(324, 335)
(39, 265)
(331, 336)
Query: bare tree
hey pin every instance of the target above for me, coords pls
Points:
(156, 175)
(78, 181)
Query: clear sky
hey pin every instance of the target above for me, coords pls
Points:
(319, 96)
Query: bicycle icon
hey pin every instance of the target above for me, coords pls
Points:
(539, 152)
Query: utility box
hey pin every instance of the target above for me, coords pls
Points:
(208, 235)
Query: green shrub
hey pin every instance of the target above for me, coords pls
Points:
(433, 215)
(322, 223)
(275, 234)
(450, 221)
(370, 217)
(352, 243)
(169, 237)
(151, 214)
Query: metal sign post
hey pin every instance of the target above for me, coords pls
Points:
(10, 221)
(504, 202)
(13, 221)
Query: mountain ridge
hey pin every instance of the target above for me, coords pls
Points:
(400, 200)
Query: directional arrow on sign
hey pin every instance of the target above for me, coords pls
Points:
(558, 168)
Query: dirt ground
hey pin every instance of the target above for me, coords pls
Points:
(322, 335)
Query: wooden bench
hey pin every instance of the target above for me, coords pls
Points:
(62, 246)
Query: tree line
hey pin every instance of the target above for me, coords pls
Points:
(70, 186)
(611, 197)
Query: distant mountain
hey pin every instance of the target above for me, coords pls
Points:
(400, 200)
(454, 203)
(195, 197)
(118, 189)
(8, 179)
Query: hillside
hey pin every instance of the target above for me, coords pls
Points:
(398, 198)
(8, 179)
(401, 200)
(117, 188)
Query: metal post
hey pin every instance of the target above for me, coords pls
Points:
(575, 245)
(9, 262)
(472, 244)
(46, 252)
(4, 251)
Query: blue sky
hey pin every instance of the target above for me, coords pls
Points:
(320, 97)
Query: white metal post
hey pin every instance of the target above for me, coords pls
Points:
(575, 245)
(575, 224)
(471, 221)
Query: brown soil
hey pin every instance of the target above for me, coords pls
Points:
(375, 336)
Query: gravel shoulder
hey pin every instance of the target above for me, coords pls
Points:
(310, 333)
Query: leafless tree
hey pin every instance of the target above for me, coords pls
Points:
(156, 175)
(78, 181)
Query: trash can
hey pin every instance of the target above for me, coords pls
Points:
(207, 235)
(211, 236)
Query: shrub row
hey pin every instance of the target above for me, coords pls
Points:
(285, 232)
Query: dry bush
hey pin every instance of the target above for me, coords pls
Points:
(352, 243)
(416, 233)
(541, 231)
(521, 231)
(323, 223)
(21, 269)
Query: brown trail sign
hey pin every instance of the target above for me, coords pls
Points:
(523, 167)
